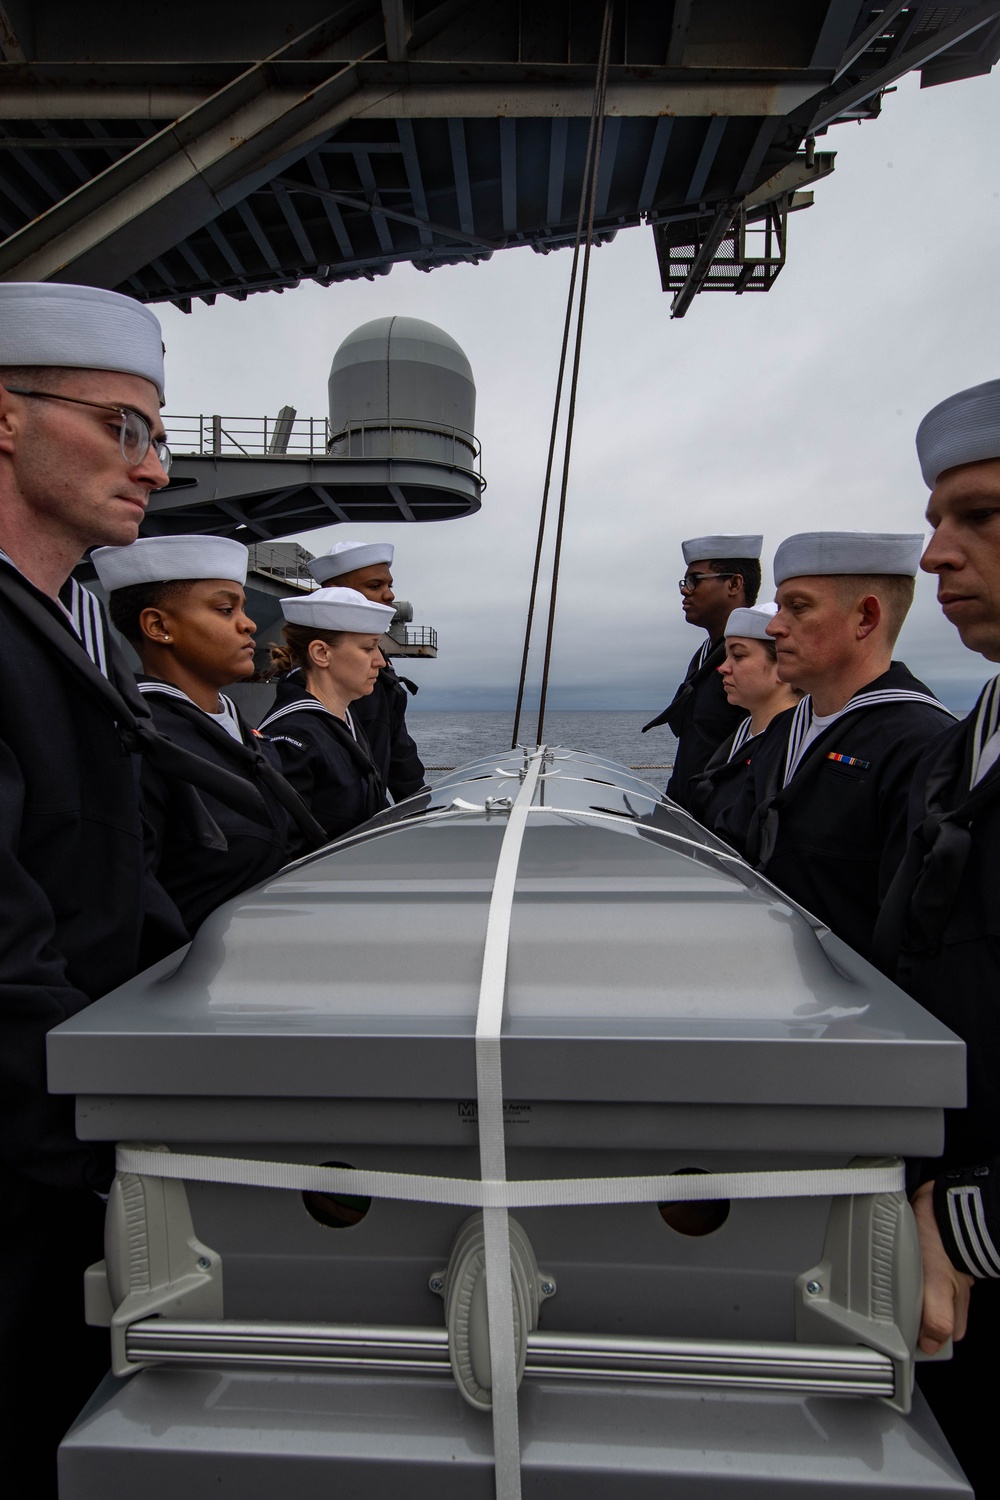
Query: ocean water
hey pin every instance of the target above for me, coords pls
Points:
(453, 739)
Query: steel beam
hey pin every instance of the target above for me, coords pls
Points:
(414, 179)
(525, 98)
(924, 52)
(348, 200)
(295, 223)
(508, 175)
(703, 260)
(317, 172)
(654, 166)
(176, 183)
(606, 169)
(400, 499)
(369, 187)
(835, 33)
(167, 91)
(178, 180)
(765, 135)
(326, 496)
(460, 171)
(258, 236)
(9, 42)
(397, 18)
(871, 33)
(68, 143)
(557, 171)
(679, 24)
(706, 159)
(213, 158)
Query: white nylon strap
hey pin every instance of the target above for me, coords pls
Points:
(492, 1150)
(494, 1194)
(542, 1192)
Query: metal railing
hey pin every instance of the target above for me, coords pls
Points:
(285, 435)
(276, 563)
(420, 635)
(365, 438)
(289, 436)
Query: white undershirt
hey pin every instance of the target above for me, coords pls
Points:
(815, 729)
(226, 718)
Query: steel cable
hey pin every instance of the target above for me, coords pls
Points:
(588, 197)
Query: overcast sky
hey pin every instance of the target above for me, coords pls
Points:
(789, 411)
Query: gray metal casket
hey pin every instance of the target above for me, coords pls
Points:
(667, 1014)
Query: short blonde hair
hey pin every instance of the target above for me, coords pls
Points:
(894, 591)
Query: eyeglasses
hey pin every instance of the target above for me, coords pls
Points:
(134, 435)
(690, 581)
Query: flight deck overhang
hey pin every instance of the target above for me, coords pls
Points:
(198, 158)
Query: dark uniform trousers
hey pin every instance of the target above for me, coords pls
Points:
(79, 914)
(834, 836)
(939, 937)
(701, 717)
(333, 773)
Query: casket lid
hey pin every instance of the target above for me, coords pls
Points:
(646, 963)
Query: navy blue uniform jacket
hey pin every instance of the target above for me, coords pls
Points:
(80, 913)
(701, 716)
(333, 773)
(939, 937)
(198, 868)
(834, 836)
(382, 716)
(722, 782)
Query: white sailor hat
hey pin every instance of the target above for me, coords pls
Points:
(79, 327)
(338, 609)
(964, 429)
(166, 559)
(813, 554)
(751, 621)
(344, 557)
(710, 548)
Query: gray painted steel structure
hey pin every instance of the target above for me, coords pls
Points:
(177, 154)
(180, 152)
(400, 440)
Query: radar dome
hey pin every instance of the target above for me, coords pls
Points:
(402, 388)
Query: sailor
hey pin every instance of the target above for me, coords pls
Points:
(332, 639)
(940, 930)
(721, 573)
(750, 680)
(824, 809)
(180, 604)
(367, 567)
(81, 450)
